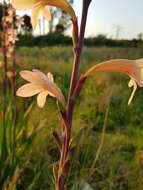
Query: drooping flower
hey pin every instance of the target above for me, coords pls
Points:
(132, 68)
(38, 6)
(40, 84)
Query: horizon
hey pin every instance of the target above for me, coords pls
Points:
(115, 19)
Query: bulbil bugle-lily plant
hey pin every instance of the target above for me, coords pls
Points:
(43, 85)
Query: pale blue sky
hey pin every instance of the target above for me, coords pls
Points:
(105, 15)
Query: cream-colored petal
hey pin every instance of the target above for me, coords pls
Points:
(41, 98)
(35, 15)
(44, 85)
(57, 93)
(133, 84)
(115, 65)
(47, 80)
(50, 77)
(128, 67)
(54, 91)
(46, 12)
(28, 90)
(23, 4)
(139, 63)
(62, 4)
(132, 68)
(28, 4)
(40, 75)
(51, 94)
(30, 76)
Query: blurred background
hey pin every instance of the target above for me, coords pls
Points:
(107, 133)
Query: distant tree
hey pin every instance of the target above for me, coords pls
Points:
(27, 26)
(101, 37)
(3, 12)
(64, 19)
(60, 20)
(51, 22)
(59, 29)
(140, 36)
(118, 30)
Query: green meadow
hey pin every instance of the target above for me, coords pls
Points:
(107, 134)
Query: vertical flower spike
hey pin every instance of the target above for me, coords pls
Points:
(132, 68)
(38, 6)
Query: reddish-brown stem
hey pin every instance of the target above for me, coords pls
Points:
(78, 48)
(14, 62)
(14, 73)
(77, 57)
(4, 30)
(5, 82)
(71, 99)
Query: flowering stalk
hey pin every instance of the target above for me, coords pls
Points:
(64, 160)
(78, 48)
(5, 61)
(13, 58)
(9, 37)
(14, 111)
(5, 79)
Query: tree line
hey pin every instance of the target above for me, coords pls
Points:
(56, 38)
(56, 30)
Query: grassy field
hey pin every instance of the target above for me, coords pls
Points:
(120, 162)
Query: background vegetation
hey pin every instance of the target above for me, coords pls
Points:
(58, 37)
(119, 166)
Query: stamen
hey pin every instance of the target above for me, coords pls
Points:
(132, 83)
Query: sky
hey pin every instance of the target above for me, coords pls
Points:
(113, 18)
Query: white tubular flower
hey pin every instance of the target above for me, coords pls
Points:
(40, 84)
(132, 68)
(38, 6)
